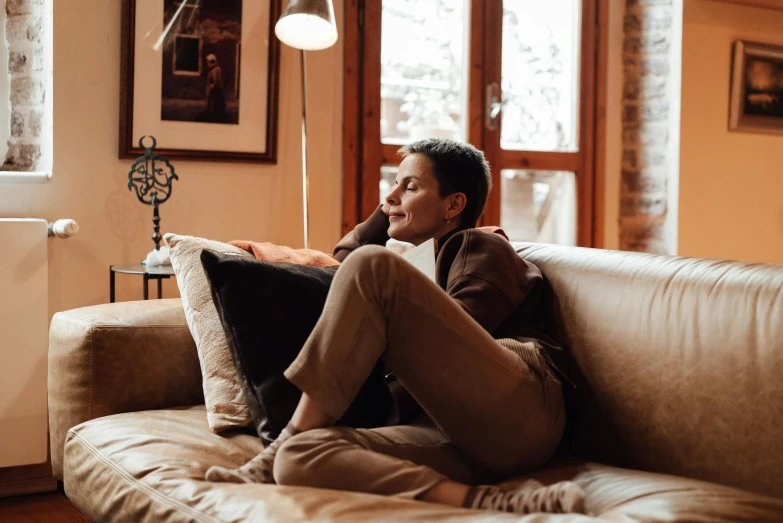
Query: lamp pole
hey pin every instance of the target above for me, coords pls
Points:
(305, 177)
(307, 25)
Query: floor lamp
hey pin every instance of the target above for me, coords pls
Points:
(307, 25)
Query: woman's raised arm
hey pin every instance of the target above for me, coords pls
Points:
(372, 231)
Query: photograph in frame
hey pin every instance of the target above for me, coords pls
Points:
(201, 76)
(756, 103)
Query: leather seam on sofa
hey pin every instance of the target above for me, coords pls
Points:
(66, 315)
(91, 345)
(107, 325)
(154, 494)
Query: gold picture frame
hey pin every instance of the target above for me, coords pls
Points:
(756, 100)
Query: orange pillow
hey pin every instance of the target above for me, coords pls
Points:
(270, 252)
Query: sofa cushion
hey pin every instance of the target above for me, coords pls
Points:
(679, 362)
(226, 406)
(149, 467)
(118, 357)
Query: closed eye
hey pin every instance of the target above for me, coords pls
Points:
(406, 181)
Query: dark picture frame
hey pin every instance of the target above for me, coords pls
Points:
(756, 100)
(128, 141)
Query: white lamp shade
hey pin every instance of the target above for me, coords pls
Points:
(308, 25)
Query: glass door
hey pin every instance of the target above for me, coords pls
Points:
(532, 137)
(424, 83)
(513, 77)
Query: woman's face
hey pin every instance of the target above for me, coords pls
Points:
(416, 210)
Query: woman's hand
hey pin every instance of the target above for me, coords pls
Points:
(385, 209)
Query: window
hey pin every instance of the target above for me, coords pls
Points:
(187, 55)
(26, 132)
(423, 81)
(515, 78)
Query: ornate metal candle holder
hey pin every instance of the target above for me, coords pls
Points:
(151, 177)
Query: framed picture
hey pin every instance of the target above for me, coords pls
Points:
(756, 88)
(201, 76)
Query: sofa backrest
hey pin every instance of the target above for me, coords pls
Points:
(679, 361)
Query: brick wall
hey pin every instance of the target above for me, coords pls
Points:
(28, 32)
(648, 36)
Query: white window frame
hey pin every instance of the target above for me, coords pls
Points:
(5, 116)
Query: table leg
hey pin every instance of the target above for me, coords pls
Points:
(146, 286)
(111, 285)
(160, 288)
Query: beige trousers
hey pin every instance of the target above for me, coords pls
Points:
(493, 406)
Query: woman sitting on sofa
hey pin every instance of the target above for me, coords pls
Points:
(494, 407)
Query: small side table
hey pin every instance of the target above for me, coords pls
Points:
(162, 272)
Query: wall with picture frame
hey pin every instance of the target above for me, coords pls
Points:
(219, 200)
(731, 183)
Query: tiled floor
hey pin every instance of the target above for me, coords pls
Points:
(40, 508)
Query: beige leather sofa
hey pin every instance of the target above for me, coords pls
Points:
(680, 415)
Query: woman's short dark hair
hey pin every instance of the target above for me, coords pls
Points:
(458, 167)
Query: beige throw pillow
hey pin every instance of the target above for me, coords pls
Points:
(225, 401)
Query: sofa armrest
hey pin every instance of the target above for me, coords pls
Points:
(118, 357)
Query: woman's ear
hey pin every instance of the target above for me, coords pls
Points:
(457, 202)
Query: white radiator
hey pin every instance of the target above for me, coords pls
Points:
(24, 334)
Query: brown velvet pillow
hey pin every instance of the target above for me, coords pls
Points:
(268, 311)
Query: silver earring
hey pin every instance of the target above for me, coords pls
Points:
(448, 220)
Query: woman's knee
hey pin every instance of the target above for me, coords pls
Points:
(294, 458)
(368, 258)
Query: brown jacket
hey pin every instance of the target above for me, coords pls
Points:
(492, 283)
(478, 269)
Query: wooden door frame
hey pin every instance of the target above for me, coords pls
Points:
(353, 58)
(362, 157)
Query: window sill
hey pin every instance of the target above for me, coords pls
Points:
(24, 177)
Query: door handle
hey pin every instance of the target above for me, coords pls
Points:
(494, 106)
